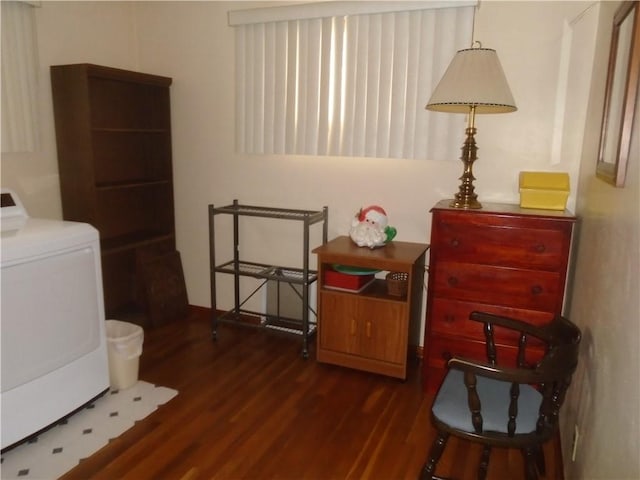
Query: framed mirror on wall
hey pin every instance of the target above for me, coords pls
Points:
(620, 96)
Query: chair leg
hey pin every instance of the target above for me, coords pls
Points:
(434, 455)
(530, 472)
(540, 463)
(484, 462)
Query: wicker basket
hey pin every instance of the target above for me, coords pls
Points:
(397, 283)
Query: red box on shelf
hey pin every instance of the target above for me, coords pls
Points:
(344, 281)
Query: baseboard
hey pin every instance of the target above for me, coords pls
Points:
(418, 351)
(204, 313)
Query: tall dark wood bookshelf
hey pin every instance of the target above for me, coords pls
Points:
(113, 132)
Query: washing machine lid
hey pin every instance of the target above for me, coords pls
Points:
(38, 237)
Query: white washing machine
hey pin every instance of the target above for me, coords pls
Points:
(52, 328)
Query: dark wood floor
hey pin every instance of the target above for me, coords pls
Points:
(249, 407)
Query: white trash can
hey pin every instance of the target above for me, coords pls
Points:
(124, 346)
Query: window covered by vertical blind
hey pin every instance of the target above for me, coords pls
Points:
(349, 84)
(19, 77)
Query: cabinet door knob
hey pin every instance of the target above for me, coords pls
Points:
(452, 281)
(454, 242)
(536, 290)
(540, 248)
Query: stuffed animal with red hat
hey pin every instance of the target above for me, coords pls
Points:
(370, 227)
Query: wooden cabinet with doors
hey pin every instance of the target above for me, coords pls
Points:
(113, 133)
(369, 329)
(501, 259)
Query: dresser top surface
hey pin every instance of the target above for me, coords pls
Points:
(506, 209)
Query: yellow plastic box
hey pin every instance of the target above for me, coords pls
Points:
(545, 190)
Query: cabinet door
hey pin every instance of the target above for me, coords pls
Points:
(364, 327)
(338, 324)
(383, 330)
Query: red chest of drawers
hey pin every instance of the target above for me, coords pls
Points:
(501, 259)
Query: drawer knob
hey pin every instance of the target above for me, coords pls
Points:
(540, 248)
(536, 289)
(454, 242)
(452, 281)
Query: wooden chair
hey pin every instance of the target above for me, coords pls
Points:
(506, 406)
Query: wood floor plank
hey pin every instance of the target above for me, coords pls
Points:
(250, 407)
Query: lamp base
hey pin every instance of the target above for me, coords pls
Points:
(466, 197)
(466, 203)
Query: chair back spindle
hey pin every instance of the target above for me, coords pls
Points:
(473, 401)
(513, 408)
(522, 350)
(490, 343)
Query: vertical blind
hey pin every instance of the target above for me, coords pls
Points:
(349, 85)
(19, 77)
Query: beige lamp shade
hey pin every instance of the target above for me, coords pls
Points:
(474, 78)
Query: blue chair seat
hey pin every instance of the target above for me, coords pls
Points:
(450, 405)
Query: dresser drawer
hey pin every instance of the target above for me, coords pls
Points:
(442, 348)
(525, 289)
(500, 245)
(451, 317)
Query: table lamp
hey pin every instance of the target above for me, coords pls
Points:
(474, 83)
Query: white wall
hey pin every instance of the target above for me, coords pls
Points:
(67, 32)
(191, 42)
(604, 401)
(554, 129)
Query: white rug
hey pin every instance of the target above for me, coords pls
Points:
(59, 449)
